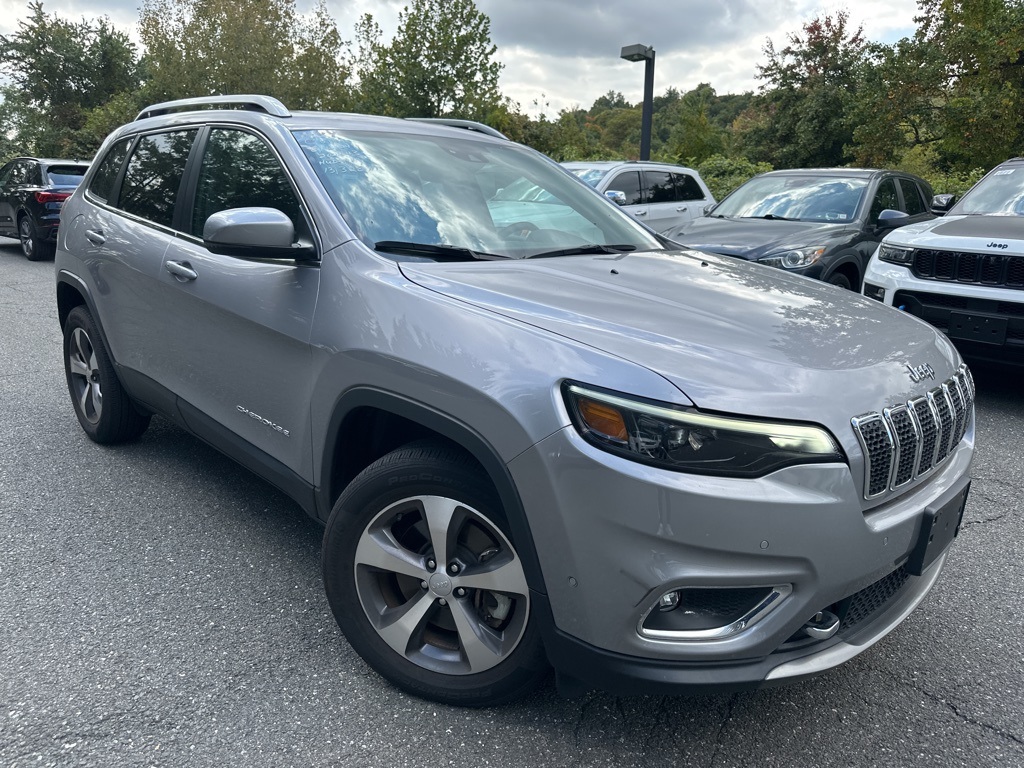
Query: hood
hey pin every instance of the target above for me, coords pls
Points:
(753, 238)
(733, 337)
(995, 234)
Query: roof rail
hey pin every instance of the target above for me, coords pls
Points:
(469, 125)
(266, 104)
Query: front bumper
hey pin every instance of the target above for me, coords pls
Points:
(613, 536)
(985, 323)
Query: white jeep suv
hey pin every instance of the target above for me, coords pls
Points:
(964, 272)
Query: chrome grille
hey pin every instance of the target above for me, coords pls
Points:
(908, 440)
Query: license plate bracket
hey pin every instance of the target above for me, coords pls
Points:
(938, 528)
(983, 328)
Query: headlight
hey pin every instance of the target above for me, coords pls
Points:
(686, 440)
(795, 258)
(895, 255)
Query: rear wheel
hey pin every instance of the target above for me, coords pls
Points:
(104, 409)
(33, 248)
(425, 582)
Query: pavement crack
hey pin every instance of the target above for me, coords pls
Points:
(982, 521)
(730, 706)
(967, 718)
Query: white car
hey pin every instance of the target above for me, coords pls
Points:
(964, 272)
(662, 196)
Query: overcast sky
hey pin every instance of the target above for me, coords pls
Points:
(565, 53)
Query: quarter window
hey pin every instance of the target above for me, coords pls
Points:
(153, 176)
(102, 184)
(240, 171)
(687, 187)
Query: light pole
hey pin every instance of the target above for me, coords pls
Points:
(645, 54)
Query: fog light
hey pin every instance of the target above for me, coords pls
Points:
(876, 292)
(668, 601)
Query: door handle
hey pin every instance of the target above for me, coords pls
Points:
(95, 236)
(639, 213)
(681, 210)
(182, 270)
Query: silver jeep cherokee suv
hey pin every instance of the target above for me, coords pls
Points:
(533, 443)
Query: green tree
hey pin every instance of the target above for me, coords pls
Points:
(61, 74)
(801, 116)
(983, 45)
(440, 63)
(205, 47)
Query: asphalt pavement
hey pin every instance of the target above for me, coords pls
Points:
(160, 606)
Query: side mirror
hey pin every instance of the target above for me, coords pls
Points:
(890, 219)
(709, 208)
(942, 203)
(260, 233)
(616, 196)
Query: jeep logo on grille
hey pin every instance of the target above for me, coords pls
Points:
(920, 372)
(1003, 246)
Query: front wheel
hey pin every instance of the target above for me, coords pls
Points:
(425, 582)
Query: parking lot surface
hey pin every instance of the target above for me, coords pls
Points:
(160, 606)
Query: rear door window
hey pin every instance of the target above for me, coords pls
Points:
(152, 179)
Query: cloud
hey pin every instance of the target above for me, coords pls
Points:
(565, 53)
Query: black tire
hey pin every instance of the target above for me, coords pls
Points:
(104, 409)
(32, 247)
(449, 641)
(840, 280)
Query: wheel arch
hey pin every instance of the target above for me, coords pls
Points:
(368, 423)
(849, 266)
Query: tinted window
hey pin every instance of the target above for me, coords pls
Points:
(102, 184)
(65, 175)
(153, 176)
(659, 187)
(687, 187)
(33, 174)
(912, 197)
(629, 184)
(885, 198)
(19, 173)
(240, 171)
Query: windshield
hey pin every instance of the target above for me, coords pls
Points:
(800, 198)
(497, 199)
(1001, 193)
(590, 175)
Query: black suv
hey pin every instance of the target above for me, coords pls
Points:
(32, 192)
(823, 222)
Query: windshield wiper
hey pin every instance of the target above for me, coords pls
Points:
(438, 250)
(771, 217)
(581, 250)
